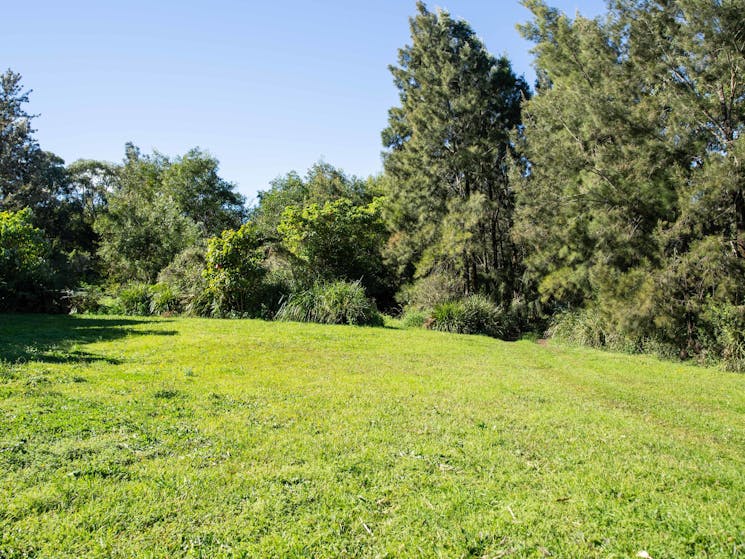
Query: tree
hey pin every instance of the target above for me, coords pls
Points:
(18, 148)
(25, 274)
(446, 162)
(601, 177)
(632, 203)
(338, 241)
(143, 228)
(235, 271)
(322, 183)
(202, 195)
(30, 177)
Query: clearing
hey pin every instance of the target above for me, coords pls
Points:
(128, 437)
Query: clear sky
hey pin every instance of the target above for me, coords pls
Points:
(265, 86)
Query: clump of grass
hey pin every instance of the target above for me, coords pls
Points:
(473, 315)
(414, 318)
(331, 303)
(166, 393)
(7, 371)
(134, 299)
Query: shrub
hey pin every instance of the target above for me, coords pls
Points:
(26, 278)
(88, 299)
(338, 240)
(331, 303)
(164, 299)
(446, 317)
(473, 315)
(134, 299)
(724, 334)
(414, 318)
(184, 278)
(590, 327)
(235, 272)
(430, 291)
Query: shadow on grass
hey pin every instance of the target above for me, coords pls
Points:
(55, 338)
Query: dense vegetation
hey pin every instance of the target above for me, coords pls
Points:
(608, 204)
(186, 437)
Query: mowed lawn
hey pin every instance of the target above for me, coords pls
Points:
(124, 437)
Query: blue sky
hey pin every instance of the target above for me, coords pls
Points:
(266, 87)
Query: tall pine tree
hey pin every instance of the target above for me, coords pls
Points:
(448, 146)
(633, 202)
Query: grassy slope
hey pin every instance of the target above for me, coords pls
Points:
(205, 438)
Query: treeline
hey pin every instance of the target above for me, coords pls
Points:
(607, 205)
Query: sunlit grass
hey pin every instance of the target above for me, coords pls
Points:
(210, 438)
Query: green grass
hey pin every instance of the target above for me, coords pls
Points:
(208, 438)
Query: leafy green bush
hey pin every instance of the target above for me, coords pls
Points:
(26, 278)
(133, 299)
(723, 334)
(579, 327)
(88, 299)
(184, 277)
(590, 327)
(331, 303)
(339, 240)
(475, 314)
(446, 317)
(430, 291)
(235, 272)
(164, 299)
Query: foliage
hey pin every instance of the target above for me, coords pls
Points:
(322, 183)
(25, 276)
(164, 299)
(430, 291)
(18, 148)
(412, 318)
(184, 276)
(723, 335)
(202, 195)
(632, 203)
(583, 327)
(450, 201)
(158, 207)
(143, 228)
(86, 299)
(331, 303)
(475, 314)
(133, 299)
(235, 271)
(337, 241)
(34, 179)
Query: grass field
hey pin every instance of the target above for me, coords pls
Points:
(207, 438)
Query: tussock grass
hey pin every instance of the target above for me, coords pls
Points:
(226, 438)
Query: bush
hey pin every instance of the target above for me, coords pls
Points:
(331, 303)
(429, 292)
(88, 299)
(235, 272)
(414, 318)
(724, 335)
(164, 299)
(590, 327)
(338, 240)
(26, 277)
(473, 315)
(579, 327)
(184, 278)
(133, 299)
